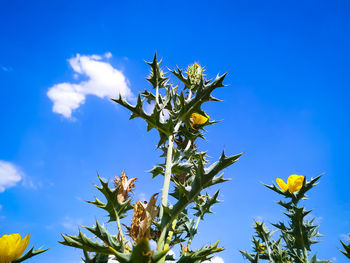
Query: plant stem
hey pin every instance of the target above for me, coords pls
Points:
(166, 184)
(189, 94)
(167, 175)
(170, 235)
(157, 95)
(120, 230)
(300, 225)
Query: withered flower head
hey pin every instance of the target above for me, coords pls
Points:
(124, 185)
(142, 220)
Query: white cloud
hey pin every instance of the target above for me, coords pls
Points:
(142, 196)
(103, 81)
(108, 55)
(10, 175)
(215, 260)
(71, 223)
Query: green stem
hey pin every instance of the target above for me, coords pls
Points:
(120, 230)
(167, 175)
(166, 184)
(165, 190)
(189, 94)
(170, 235)
(305, 254)
(157, 95)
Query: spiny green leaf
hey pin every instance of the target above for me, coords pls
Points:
(153, 121)
(252, 257)
(102, 233)
(203, 178)
(97, 258)
(156, 170)
(114, 207)
(156, 77)
(202, 95)
(83, 242)
(200, 255)
(30, 253)
(346, 251)
(181, 77)
(204, 208)
(190, 228)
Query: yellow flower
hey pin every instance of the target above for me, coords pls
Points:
(198, 119)
(294, 183)
(261, 248)
(12, 247)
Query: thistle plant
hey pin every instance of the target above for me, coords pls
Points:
(297, 236)
(346, 248)
(170, 218)
(13, 246)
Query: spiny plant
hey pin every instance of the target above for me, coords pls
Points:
(297, 236)
(346, 248)
(180, 120)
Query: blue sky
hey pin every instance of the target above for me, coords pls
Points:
(286, 107)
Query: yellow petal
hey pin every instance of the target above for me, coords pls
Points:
(4, 248)
(198, 119)
(3, 244)
(21, 247)
(295, 182)
(291, 179)
(282, 184)
(8, 247)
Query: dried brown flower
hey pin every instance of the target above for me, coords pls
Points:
(143, 216)
(124, 185)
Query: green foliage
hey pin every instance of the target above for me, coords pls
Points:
(346, 248)
(296, 236)
(186, 171)
(114, 207)
(197, 256)
(98, 258)
(31, 253)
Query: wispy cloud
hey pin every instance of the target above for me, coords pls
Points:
(28, 182)
(6, 69)
(10, 175)
(103, 81)
(71, 223)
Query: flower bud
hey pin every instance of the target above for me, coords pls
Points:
(195, 73)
